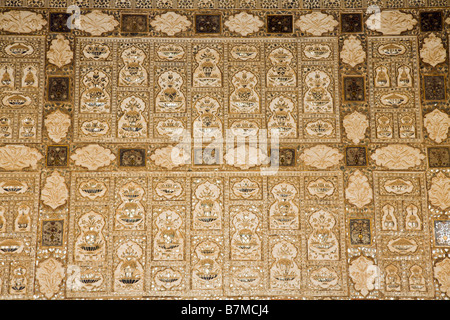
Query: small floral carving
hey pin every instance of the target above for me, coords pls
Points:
(433, 51)
(398, 156)
(57, 124)
(55, 192)
(363, 273)
(355, 125)
(171, 23)
(170, 157)
(93, 157)
(60, 53)
(21, 21)
(18, 157)
(244, 23)
(439, 193)
(442, 274)
(316, 23)
(96, 23)
(437, 123)
(391, 22)
(245, 157)
(352, 52)
(321, 156)
(358, 192)
(49, 274)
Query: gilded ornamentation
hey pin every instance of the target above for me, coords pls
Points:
(358, 192)
(442, 274)
(244, 24)
(433, 51)
(92, 157)
(439, 193)
(21, 21)
(18, 157)
(96, 23)
(57, 124)
(391, 22)
(170, 23)
(355, 125)
(352, 52)
(170, 157)
(321, 157)
(60, 53)
(363, 273)
(55, 192)
(50, 274)
(398, 156)
(316, 23)
(437, 123)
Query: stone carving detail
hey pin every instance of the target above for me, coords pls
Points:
(283, 212)
(207, 74)
(60, 53)
(363, 273)
(133, 72)
(21, 21)
(169, 241)
(91, 244)
(390, 22)
(318, 98)
(55, 192)
(57, 124)
(132, 123)
(171, 157)
(170, 98)
(321, 156)
(358, 192)
(442, 274)
(439, 193)
(437, 124)
(245, 241)
(244, 23)
(322, 242)
(245, 157)
(433, 51)
(129, 273)
(96, 23)
(93, 157)
(281, 119)
(170, 23)
(316, 23)
(284, 272)
(398, 156)
(352, 52)
(18, 157)
(50, 274)
(207, 212)
(355, 125)
(244, 98)
(281, 74)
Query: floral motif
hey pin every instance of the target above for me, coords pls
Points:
(170, 157)
(355, 125)
(21, 21)
(170, 23)
(55, 192)
(352, 52)
(391, 22)
(49, 274)
(363, 273)
(93, 157)
(60, 53)
(18, 157)
(96, 23)
(358, 192)
(245, 157)
(398, 156)
(316, 23)
(433, 51)
(244, 23)
(437, 123)
(57, 124)
(442, 274)
(321, 157)
(439, 193)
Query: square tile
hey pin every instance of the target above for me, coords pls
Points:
(134, 23)
(52, 233)
(434, 87)
(351, 22)
(132, 157)
(439, 157)
(58, 22)
(286, 157)
(356, 156)
(431, 21)
(354, 89)
(280, 23)
(360, 232)
(57, 156)
(208, 23)
(442, 232)
(58, 88)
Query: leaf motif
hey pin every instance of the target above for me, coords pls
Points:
(433, 51)
(437, 124)
(60, 53)
(96, 23)
(352, 52)
(321, 156)
(439, 193)
(170, 23)
(55, 192)
(316, 23)
(18, 157)
(49, 275)
(355, 125)
(358, 192)
(398, 156)
(93, 156)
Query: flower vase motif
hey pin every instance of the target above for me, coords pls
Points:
(168, 241)
(284, 272)
(245, 242)
(281, 74)
(95, 98)
(129, 273)
(170, 98)
(132, 123)
(207, 125)
(207, 272)
(133, 72)
(207, 213)
(207, 74)
(283, 212)
(281, 118)
(317, 98)
(244, 98)
(23, 219)
(131, 213)
(322, 242)
(90, 244)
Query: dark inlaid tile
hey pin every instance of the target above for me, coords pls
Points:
(134, 23)
(434, 87)
(57, 156)
(431, 21)
(354, 89)
(351, 22)
(442, 232)
(58, 88)
(360, 231)
(53, 233)
(280, 23)
(439, 157)
(286, 157)
(356, 156)
(208, 23)
(132, 157)
(58, 22)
